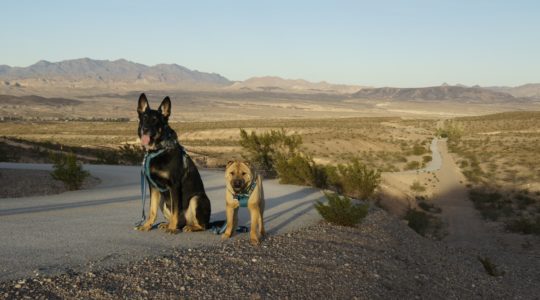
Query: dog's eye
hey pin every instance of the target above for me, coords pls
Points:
(232, 173)
(243, 173)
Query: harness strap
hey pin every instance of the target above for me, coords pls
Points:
(244, 197)
(146, 168)
(146, 176)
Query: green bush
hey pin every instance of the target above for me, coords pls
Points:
(429, 207)
(412, 165)
(524, 225)
(417, 187)
(131, 154)
(354, 179)
(263, 148)
(299, 169)
(419, 221)
(490, 267)
(68, 170)
(108, 157)
(418, 149)
(341, 210)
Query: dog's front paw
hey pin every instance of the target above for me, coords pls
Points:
(144, 227)
(235, 203)
(255, 241)
(163, 226)
(172, 230)
(225, 236)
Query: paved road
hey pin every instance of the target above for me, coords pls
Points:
(50, 234)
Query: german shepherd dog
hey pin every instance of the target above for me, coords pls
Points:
(184, 202)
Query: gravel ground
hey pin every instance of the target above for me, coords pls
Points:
(380, 259)
(15, 183)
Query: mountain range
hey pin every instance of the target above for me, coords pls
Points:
(123, 75)
(435, 93)
(86, 72)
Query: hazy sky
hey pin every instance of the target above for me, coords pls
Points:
(378, 43)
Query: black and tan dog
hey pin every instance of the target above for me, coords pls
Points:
(182, 198)
(244, 188)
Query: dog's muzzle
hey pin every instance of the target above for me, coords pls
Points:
(238, 184)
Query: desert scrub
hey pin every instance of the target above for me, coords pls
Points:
(490, 267)
(412, 165)
(341, 211)
(492, 205)
(263, 148)
(524, 225)
(354, 179)
(68, 170)
(300, 169)
(424, 224)
(416, 186)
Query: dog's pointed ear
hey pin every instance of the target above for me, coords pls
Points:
(229, 163)
(143, 104)
(165, 107)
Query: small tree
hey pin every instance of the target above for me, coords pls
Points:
(68, 170)
(354, 179)
(300, 169)
(131, 154)
(264, 148)
(341, 210)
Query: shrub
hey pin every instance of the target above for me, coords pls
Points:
(417, 187)
(490, 267)
(354, 179)
(263, 148)
(300, 169)
(426, 158)
(418, 149)
(429, 207)
(108, 157)
(412, 165)
(131, 154)
(418, 221)
(524, 225)
(341, 210)
(68, 170)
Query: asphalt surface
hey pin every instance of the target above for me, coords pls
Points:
(58, 233)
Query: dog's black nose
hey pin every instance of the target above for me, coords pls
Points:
(237, 183)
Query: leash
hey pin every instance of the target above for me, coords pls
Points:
(147, 177)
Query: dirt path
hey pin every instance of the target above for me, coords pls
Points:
(465, 226)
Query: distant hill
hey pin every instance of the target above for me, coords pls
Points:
(435, 93)
(276, 84)
(36, 100)
(86, 72)
(531, 90)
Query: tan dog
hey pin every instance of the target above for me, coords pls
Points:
(244, 188)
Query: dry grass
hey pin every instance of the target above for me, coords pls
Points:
(386, 143)
(499, 156)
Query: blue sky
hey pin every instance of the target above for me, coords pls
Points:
(377, 43)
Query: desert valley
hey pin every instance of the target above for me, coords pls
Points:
(483, 198)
